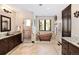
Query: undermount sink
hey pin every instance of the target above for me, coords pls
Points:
(5, 34)
(8, 34)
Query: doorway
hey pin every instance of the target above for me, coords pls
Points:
(27, 30)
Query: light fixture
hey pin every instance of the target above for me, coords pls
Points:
(40, 4)
(76, 14)
(7, 11)
(6, 8)
(55, 18)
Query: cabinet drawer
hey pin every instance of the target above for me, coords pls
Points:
(11, 43)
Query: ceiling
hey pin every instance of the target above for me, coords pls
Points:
(43, 10)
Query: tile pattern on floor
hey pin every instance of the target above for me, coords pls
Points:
(36, 49)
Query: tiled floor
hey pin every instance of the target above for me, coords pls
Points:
(45, 48)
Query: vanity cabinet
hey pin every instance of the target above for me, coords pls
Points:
(69, 49)
(66, 22)
(65, 47)
(18, 41)
(7, 44)
(11, 43)
(3, 46)
(73, 49)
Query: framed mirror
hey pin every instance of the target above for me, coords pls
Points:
(5, 23)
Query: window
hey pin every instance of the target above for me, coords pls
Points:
(45, 25)
(27, 22)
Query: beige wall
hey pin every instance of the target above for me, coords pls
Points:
(59, 26)
(75, 21)
(12, 15)
(20, 17)
(17, 18)
(28, 29)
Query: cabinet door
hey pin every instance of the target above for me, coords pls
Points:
(11, 43)
(69, 21)
(66, 22)
(65, 47)
(3, 46)
(73, 49)
(15, 40)
(19, 38)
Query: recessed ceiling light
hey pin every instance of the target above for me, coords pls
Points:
(40, 4)
(48, 8)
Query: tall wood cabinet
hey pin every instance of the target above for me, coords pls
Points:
(66, 22)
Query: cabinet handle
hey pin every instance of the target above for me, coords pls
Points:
(59, 43)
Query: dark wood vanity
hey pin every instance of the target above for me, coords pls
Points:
(7, 44)
(65, 47)
(69, 49)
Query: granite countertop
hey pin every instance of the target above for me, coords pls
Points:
(4, 36)
(72, 40)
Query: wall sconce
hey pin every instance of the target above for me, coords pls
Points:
(55, 18)
(76, 14)
(6, 8)
(7, 11)
(18, 28)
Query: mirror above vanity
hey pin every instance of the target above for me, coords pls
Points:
(5, 23)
